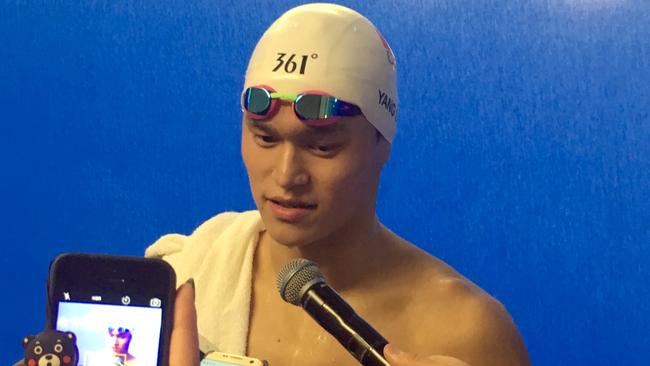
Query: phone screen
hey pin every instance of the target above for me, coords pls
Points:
(107, 334)
(207, 362)
(117, 308)
(225, 359)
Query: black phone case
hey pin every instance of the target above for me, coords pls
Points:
(109, 272)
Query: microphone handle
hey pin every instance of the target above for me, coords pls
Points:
(339, 319)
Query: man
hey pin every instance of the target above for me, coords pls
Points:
(118, 341)
(319, 105)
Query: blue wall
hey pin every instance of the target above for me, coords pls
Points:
(522, 156)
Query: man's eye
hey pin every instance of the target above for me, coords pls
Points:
(265, 140)
(325, 149)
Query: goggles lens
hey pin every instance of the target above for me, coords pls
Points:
(313, 106)
(307, 106)
(257, 100)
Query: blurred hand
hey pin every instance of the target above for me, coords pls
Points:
(397, 357)
(184, 347)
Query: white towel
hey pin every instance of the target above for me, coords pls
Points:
(219, 256)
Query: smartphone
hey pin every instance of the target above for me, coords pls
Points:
(120, 308)
(226, 359)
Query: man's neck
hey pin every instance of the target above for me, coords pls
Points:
(344, 258)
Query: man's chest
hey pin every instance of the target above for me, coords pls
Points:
(295, 341)
(284, 334)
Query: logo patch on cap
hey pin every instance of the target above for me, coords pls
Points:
(389, 51)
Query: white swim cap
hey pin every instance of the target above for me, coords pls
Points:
(333, 49)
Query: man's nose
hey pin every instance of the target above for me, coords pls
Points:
(290, 170)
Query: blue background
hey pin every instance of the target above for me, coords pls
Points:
(522, 156)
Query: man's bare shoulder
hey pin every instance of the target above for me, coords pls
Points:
(456, 317)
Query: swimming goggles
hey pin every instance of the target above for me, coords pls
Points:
(312, 107)
(121, 331)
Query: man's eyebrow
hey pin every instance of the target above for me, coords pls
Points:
(311, 131)
(326, 130)
(263, 126)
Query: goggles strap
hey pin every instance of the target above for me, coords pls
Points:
(283, 96)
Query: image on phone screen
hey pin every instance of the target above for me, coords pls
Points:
(112, 334)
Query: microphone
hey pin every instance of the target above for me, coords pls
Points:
(301, 283)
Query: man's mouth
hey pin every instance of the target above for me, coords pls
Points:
(292, 203)
(290, 210)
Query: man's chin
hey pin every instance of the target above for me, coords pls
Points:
(288, 235)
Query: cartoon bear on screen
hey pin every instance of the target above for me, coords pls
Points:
(51, 348)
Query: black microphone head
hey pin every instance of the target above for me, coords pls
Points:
(294, 276)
